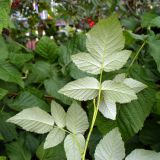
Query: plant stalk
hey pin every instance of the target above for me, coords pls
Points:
(137, 54)
(96, 108)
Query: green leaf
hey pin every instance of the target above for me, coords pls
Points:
(31, 142)
(105, 38)
(142, 74)
(149, 135)
(131, 116)
(9, 73)
(82, 89)
(154, 47)
(96, 136)
(39, 72)
(150, 20)
(130, 22)
(5, 4)
(47, 48)
(54, 137)
(4, 18)
(74, 146)
(48, 154)
(3, 93)
(87, 63)
(142, 154)
(4, 51)
(108, 109)
(117, 92)
(76, 119)
(140, 37)
(28, 100)
(105, 125)
(58, 114)
(8, 131)
(147, 18)
(20, 59)
(73, 46)
(110, 147)
(3, 158)
(17, 151)
(155, 22)
(33, 120)
(156, 108)
(53, 85)
(76, 73)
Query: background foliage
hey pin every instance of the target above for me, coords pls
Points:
(31, 78)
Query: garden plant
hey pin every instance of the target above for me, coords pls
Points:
(92, 95)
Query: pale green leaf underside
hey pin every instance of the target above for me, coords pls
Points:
(141, 154)
(76, 119)
(85, 62)
(58, 114)
(120, 77)
(116, 60)
(105, 38)
(111, 147)
(74, 146)
(33, 120)
(117, 92)
(134, 84)
(104, 42)
(54, 137)
(108, 109)
(82, 89)
(137, 86)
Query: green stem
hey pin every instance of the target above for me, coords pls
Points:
(96, 107)
(137, 54)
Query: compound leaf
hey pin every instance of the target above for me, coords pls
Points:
(87, 63)
(105, 38)
(82, 89)
(33, 120)
(74, 146)
(110, 147)
(116, 61)
(58, 114)
(76, 119)
(108, 109)
(54, 137)
(117, 92)
(143, 155)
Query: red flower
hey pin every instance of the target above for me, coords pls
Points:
(90, 22)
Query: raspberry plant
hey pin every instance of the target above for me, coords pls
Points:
(105, 44)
